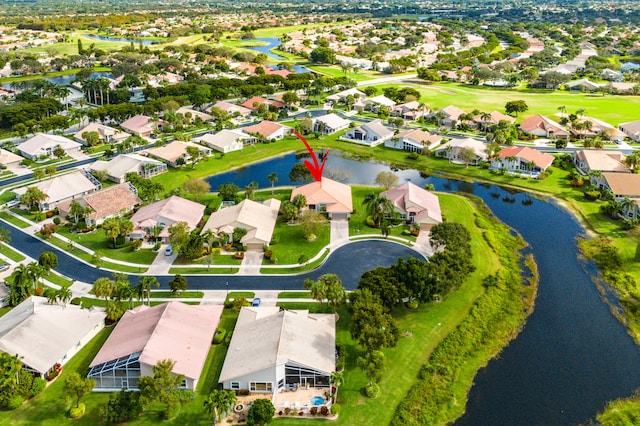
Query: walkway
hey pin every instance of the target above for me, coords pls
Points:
(251, 263)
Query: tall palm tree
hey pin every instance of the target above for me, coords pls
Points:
(143, 288)
(64, 295)
(219, 402)
(103, 287)
(377, 207)
(273, 179)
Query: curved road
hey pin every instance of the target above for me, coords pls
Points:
(349, 262)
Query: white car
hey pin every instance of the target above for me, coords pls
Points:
(168, 251)
(12, 203)
(4, 267)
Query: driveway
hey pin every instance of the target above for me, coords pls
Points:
(339, 232)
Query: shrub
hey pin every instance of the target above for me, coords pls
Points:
(287, 411)
(157, 246)
(57, 220)
(38, 386)
(136, 244)
(39, 290)
(49, 214)
(314, 410)
(370, 223)
(14, 402)
(301, 413)
(324, 410)
(122, 407)
(76, 301)
(25, 382)
(372, 391)
(219, 336)
(592, 195)
(335, 409)
(268, 254)
(239, 255)
(48, 229)
(77, 412)
(412, 304)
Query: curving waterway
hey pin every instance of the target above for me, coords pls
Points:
(571, 357)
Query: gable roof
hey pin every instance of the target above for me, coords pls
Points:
(420, 136)
(222, 139)
(259, 219)
(123, 164)
(353, 91)
(333, 121)
(477, 146)
(631, 128)
(604, 161)
(382, 100)
(230, 108)
(172, 330)
(102, 130)
(266, 336)
(623, 184)
(37, 144)
(194, 113)
(336, 195)
(107, 202)
(374, 127)
(541, 159)
(409, 197)
(138, 124)
(453, 112)
(42, 333)
(249, 103)
(176, 149)
(8, 157)
(174, 208)
(543, 123)
(63, 186)
(265, 128)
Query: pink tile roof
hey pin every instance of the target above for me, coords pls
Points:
(266, 128)
(411, 198)
(259, 101)
(541, 159)
(170, 210)
(172, 330)
(541, 122)
(336, 195)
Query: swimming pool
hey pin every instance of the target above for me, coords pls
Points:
(317, 400)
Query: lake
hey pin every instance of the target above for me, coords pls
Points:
(572, 356)
(122, 39)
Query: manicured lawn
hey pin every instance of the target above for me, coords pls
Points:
(238, 294)
(332, 71)
(14, 220)
(294, 295)
(58, 279)
(292, 244)
(11, 253)
(183, 295)
(4, 310)
(197, 271)
(309, 266)
(610, 108)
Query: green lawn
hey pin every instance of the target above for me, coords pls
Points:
(238, 294)
(610, 108)
(184, 295)
(58, 279)
(96, 241)
(11, 253)
(14, 220)
(333, 71)
(292, 244)
(294, 295)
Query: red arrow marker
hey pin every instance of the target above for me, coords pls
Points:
(316, 168)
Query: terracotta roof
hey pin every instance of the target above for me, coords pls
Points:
(230, 108)
(172, 330)
(336, 195)
(623, 184)
(543, 123)
(409, 197)
(102, 130)
(604, 161)
(8, 157)
(259, 101)
(541, 159)
(420, 136)
(107, 202)
(259, 219)
(265, 128)
(173, 209)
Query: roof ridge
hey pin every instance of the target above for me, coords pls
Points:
(166, 307)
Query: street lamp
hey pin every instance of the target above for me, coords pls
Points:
(227, 284)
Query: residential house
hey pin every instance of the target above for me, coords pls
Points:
(415, 205)
(622, 88)
(268, 130)
(63, 187)
(329, 124)
(378, 102)
(231, 109)
(45, 336)
(225, 140)
(106, 134)
(413, 140)
(43, 145)
(371, 134)
(541, 126)
(259, 219)
(584, 85)
(494, 117)
(192, 114)
(273, 350)
(342, 96)
(409, 111)
(146, 335)
(8, 158)
(612, 75)
(164, 213)
(256, 102)
(452, 149)
(113, 201)
(587, 161)
(625, 188)
(631, 129)
(327, 196)
(176, 152)
(141, 125)
(118, 167)
(598, 127)
(522, 160)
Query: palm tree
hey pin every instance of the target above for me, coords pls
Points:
(35, 272)
(249, 189)
(144, 287)
(64, 295)
(104, 287)
(300, 201)
(628, 205)
(318, 289)
(485, 117)
(273, 179)
(335, 290)
(377, 207)
(563, 110)
(219, 402)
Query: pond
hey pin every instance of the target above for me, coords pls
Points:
(123, 40)
(65, 80)
(571, 357)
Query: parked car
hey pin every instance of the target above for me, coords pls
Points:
(168, 251)
(4, 267)
(256, 302)
(12, 203)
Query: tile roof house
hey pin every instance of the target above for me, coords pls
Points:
(272, 349)
(415, 204)
(165, 213)
(146, 335)
(327, 196)
(451, 150)
(375, 103)
(106, 134)
(175, 150)
(599, 127)
(225, 140)
(113, 201)
(140, 125)
(8, 157)
(494, 118)
(118, 167)
(522, 160)
(631, 129)
(541, 126)
(255, 103)
(268, 130)
(194, 113)
(64, 187)
(620, 184)
(259, 219)
(371, 134)
(230, 108)
(583, 84)
(449, 116)
(413, 140)
(409, 111)
(587, 161)
(329, 124)
(44, 334)
(43, 144)
(341, 96)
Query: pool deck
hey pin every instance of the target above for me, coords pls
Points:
(300, 399)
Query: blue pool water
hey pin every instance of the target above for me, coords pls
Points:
(317, 400)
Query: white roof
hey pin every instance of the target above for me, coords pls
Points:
(382, 100)
(222, 139)
(258, 219)
(333, 121)
(169, 211)
(62, 187)
(123, 164)
(345, 93)
(8, 157)
(103, 131)
(41, 334)
(38, 144)
(266, 336)
(477, 146)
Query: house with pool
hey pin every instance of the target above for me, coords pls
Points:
(287, 355)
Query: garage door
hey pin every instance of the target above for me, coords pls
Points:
(339, 216)
(255, 246)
